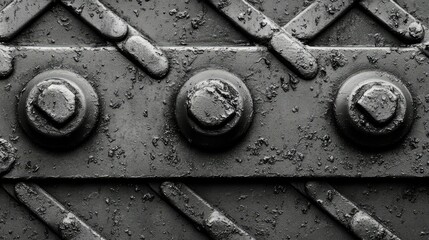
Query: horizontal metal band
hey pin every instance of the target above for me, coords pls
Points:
(293, 133)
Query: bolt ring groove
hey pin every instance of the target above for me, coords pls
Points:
(373, 128)
(357, 126)
(45, 131)
(48, 127)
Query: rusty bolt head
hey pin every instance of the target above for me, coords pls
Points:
(416, 30)
(380, 103)
(6, 63)
(57, 102)
(374, 109)
(212, 105)
(58, 109)
(213, 109)
(7, 156)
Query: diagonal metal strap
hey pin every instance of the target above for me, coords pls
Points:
(266, 31)
(99, 17)
(15, 16)
(132, 43)
(63, 222)
(320, 14)
(316, 18)
(6, 62)
(138, 48)
(394, 17)
(216, 224)
(344, 211)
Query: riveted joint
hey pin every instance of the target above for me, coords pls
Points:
(213, 109)
(379, 103)
(213, 104)
(58, 103)
(374, 109)
(58, 109)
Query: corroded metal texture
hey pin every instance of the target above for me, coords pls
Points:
(344, 211)
(263, 29)
(7, 156)
(314, 19)
(214, 109)
(15, 16)
(6, 63)
(58, 109)
(214, 119)
(60, 220)
(399, 21)
(374, 109)
(202, 213)
(99, 17)
(305, 141)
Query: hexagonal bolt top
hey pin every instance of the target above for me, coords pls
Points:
(212, 104)
(374, 109)
(213, 109)
(57, 102)
(380, 103)
(58, 109)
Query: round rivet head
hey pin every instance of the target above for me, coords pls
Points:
(7, 156)
(374, 109)
(416, 30)
(58, 109)
(212, 103)
(213, 109)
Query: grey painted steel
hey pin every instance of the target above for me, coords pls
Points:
(248, 18)
(41, 127)
(263, 29)
(18, 14)
(260, 211)
(214, 109)
(321, 14)
(305, 142)
(99, 17)
(65, 223)
(374, 109)
(140, 49)
(344, 211)
(7, 156)
(6, 62)
(218, 226)
(137, 47)
(399, 21)
(317, 17)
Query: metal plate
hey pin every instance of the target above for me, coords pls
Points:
(138, 137)
(136, 177)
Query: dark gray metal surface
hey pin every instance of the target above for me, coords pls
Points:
(137, 135)
(63, 222)
(137, 67)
